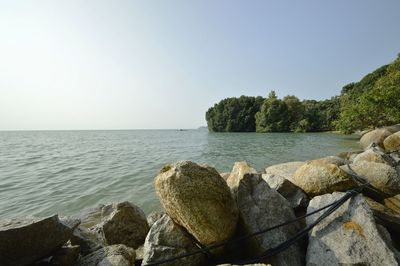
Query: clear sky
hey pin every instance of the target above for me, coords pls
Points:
(162, 64)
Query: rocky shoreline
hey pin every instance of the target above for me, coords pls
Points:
(203, 208)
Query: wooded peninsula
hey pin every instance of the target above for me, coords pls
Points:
(372, 102)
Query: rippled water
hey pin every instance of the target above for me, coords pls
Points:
(46, 172)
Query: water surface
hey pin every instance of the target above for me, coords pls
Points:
(46, 172)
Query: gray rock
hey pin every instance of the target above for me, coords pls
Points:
(348, 236)
(23, 241)
(197, 198)
(285, 170)
(123, 223)
(261, 207)
(87, 240)
(166, 240)
(381, 176)
(237, 173)
(372, 154)
(115, 255)
(292, 193)
(154, 217)
(65, 256)
(393, 129)
(348, 155)
(376, 136)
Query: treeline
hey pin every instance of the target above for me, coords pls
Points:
(372, 102)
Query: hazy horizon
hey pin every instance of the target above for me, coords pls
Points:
(126, 65)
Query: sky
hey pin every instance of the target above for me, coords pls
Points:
(95, 64)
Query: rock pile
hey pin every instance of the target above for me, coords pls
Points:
(202, 208)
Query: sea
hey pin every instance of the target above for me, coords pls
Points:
(62, 172)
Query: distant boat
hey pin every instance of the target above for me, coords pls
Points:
(182, 129)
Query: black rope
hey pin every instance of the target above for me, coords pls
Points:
(332, 207)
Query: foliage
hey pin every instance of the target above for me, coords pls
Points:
(273, 116)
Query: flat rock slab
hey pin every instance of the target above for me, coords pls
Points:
(23, 241)
(349, 236)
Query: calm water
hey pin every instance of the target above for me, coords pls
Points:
(46, 172)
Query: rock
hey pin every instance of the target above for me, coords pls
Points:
(23, 241)
(376, 136)
(65, 256)
(238, 171)
(292, 193)
(348, 236)
(393, 203)
(261, 207)
(381, 176)
(123, 223)
(393, 129)
(371, 155)
(385, 216)
(316, 178)
(392, 143)
(166, 240)
(114, 255)
(154, 217)
(197, 198)
(285, 170)
(87, 240)
(331, 159)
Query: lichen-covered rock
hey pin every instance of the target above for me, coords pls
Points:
(166, 240)
(376, 136)
(292, 193)
(381, 176)
(348, 236)
(197, 198)
(316, 178)
(237, 173)
(261, 207)
(331, 159)
(25, 240)
(392, 142)
(123, 223)
(114, 255)
(285, 170)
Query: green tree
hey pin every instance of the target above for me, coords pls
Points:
(273, 116)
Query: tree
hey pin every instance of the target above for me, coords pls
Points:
(273, 116)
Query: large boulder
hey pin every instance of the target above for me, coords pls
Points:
(292, 193)
(381, 176)
(316, 178)
(237, 173)
(123, 223)
(392, 143)
(23, 241)
(166, 240)
(114, 255)
(349, 236)
(65, 256)
(261, 207)
(87, 240)
(197, 198)
(154, 217)
(285, 170)
(376, 136)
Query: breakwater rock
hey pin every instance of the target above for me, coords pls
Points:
(210, 219)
